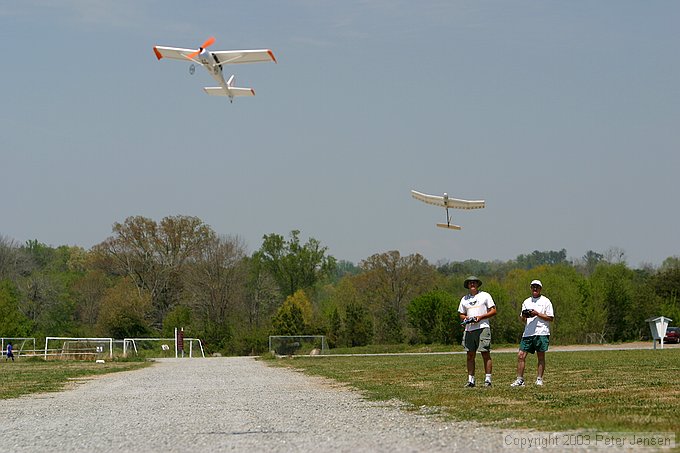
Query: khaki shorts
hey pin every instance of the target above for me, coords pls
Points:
(534, 343)
(477, 340)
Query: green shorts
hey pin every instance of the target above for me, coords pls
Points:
(534, 343)
(477, 340)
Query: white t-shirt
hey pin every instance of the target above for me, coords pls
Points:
(536, 325)
(476, 306)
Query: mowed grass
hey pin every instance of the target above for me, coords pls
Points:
(26, 376)
(612, 391)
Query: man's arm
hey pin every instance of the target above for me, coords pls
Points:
(489, 313)
(542, 316)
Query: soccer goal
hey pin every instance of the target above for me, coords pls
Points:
(161, 347)
(20, 345)
(78, 348)
(298, 344)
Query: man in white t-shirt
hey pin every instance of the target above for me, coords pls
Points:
(537, 312)
(474, 311)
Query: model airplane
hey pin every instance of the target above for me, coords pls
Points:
(447, 203)
(213, 62)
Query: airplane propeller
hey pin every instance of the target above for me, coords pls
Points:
(209, 42)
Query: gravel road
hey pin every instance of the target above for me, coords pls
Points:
(227, 404)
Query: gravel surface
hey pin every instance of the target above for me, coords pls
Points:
(229, 404)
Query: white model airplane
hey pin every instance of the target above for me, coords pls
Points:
(447, 203)
(213, 62)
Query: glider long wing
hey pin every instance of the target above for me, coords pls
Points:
(447, 202)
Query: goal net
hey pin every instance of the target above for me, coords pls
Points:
(162, 347)
(298, 344)
(78, 348)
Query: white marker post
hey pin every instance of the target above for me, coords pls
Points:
(658, 327)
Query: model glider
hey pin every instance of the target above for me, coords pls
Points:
(447, 202)
(213, 62)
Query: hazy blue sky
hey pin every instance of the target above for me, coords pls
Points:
(563, 115)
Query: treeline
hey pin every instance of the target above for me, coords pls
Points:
(149, 277)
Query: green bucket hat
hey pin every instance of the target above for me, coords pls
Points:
(472, 278)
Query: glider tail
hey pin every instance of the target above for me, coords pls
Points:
(450, 226)
(231, 92)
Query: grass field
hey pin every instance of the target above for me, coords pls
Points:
(26, 376)
(612, 391)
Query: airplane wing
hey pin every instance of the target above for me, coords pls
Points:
(447, 202)
(243, 56)
(175, 53)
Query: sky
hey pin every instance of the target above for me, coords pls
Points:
(563, 115)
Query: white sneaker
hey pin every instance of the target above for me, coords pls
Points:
(539, 381)
(519, 382)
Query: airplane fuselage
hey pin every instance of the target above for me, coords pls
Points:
(211, 65)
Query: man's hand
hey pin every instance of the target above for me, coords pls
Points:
(469, 320)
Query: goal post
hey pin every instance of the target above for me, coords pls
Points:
(161, 347)
(20, 345)
(298, 344)
(78, 347)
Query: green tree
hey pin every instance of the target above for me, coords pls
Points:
(434, 316)
(12, 320)
(124, 311)
(292, 318)
(613, 290)
(155, 256)
(294, 266)
(666, 285)
(461, 269)
(344, 268)
(467, 267)
(177, 318)
(47, 296)
(301, 299)
(14, 261)
(88, 291)
(40, 253)
(39, 296)
(215, 289)
(358, 325)
(537, 258)
(288, 321)
(335, 331)
(333, 307)
(590, 261)
(388, 283)
(672, 262)
(262, 295)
